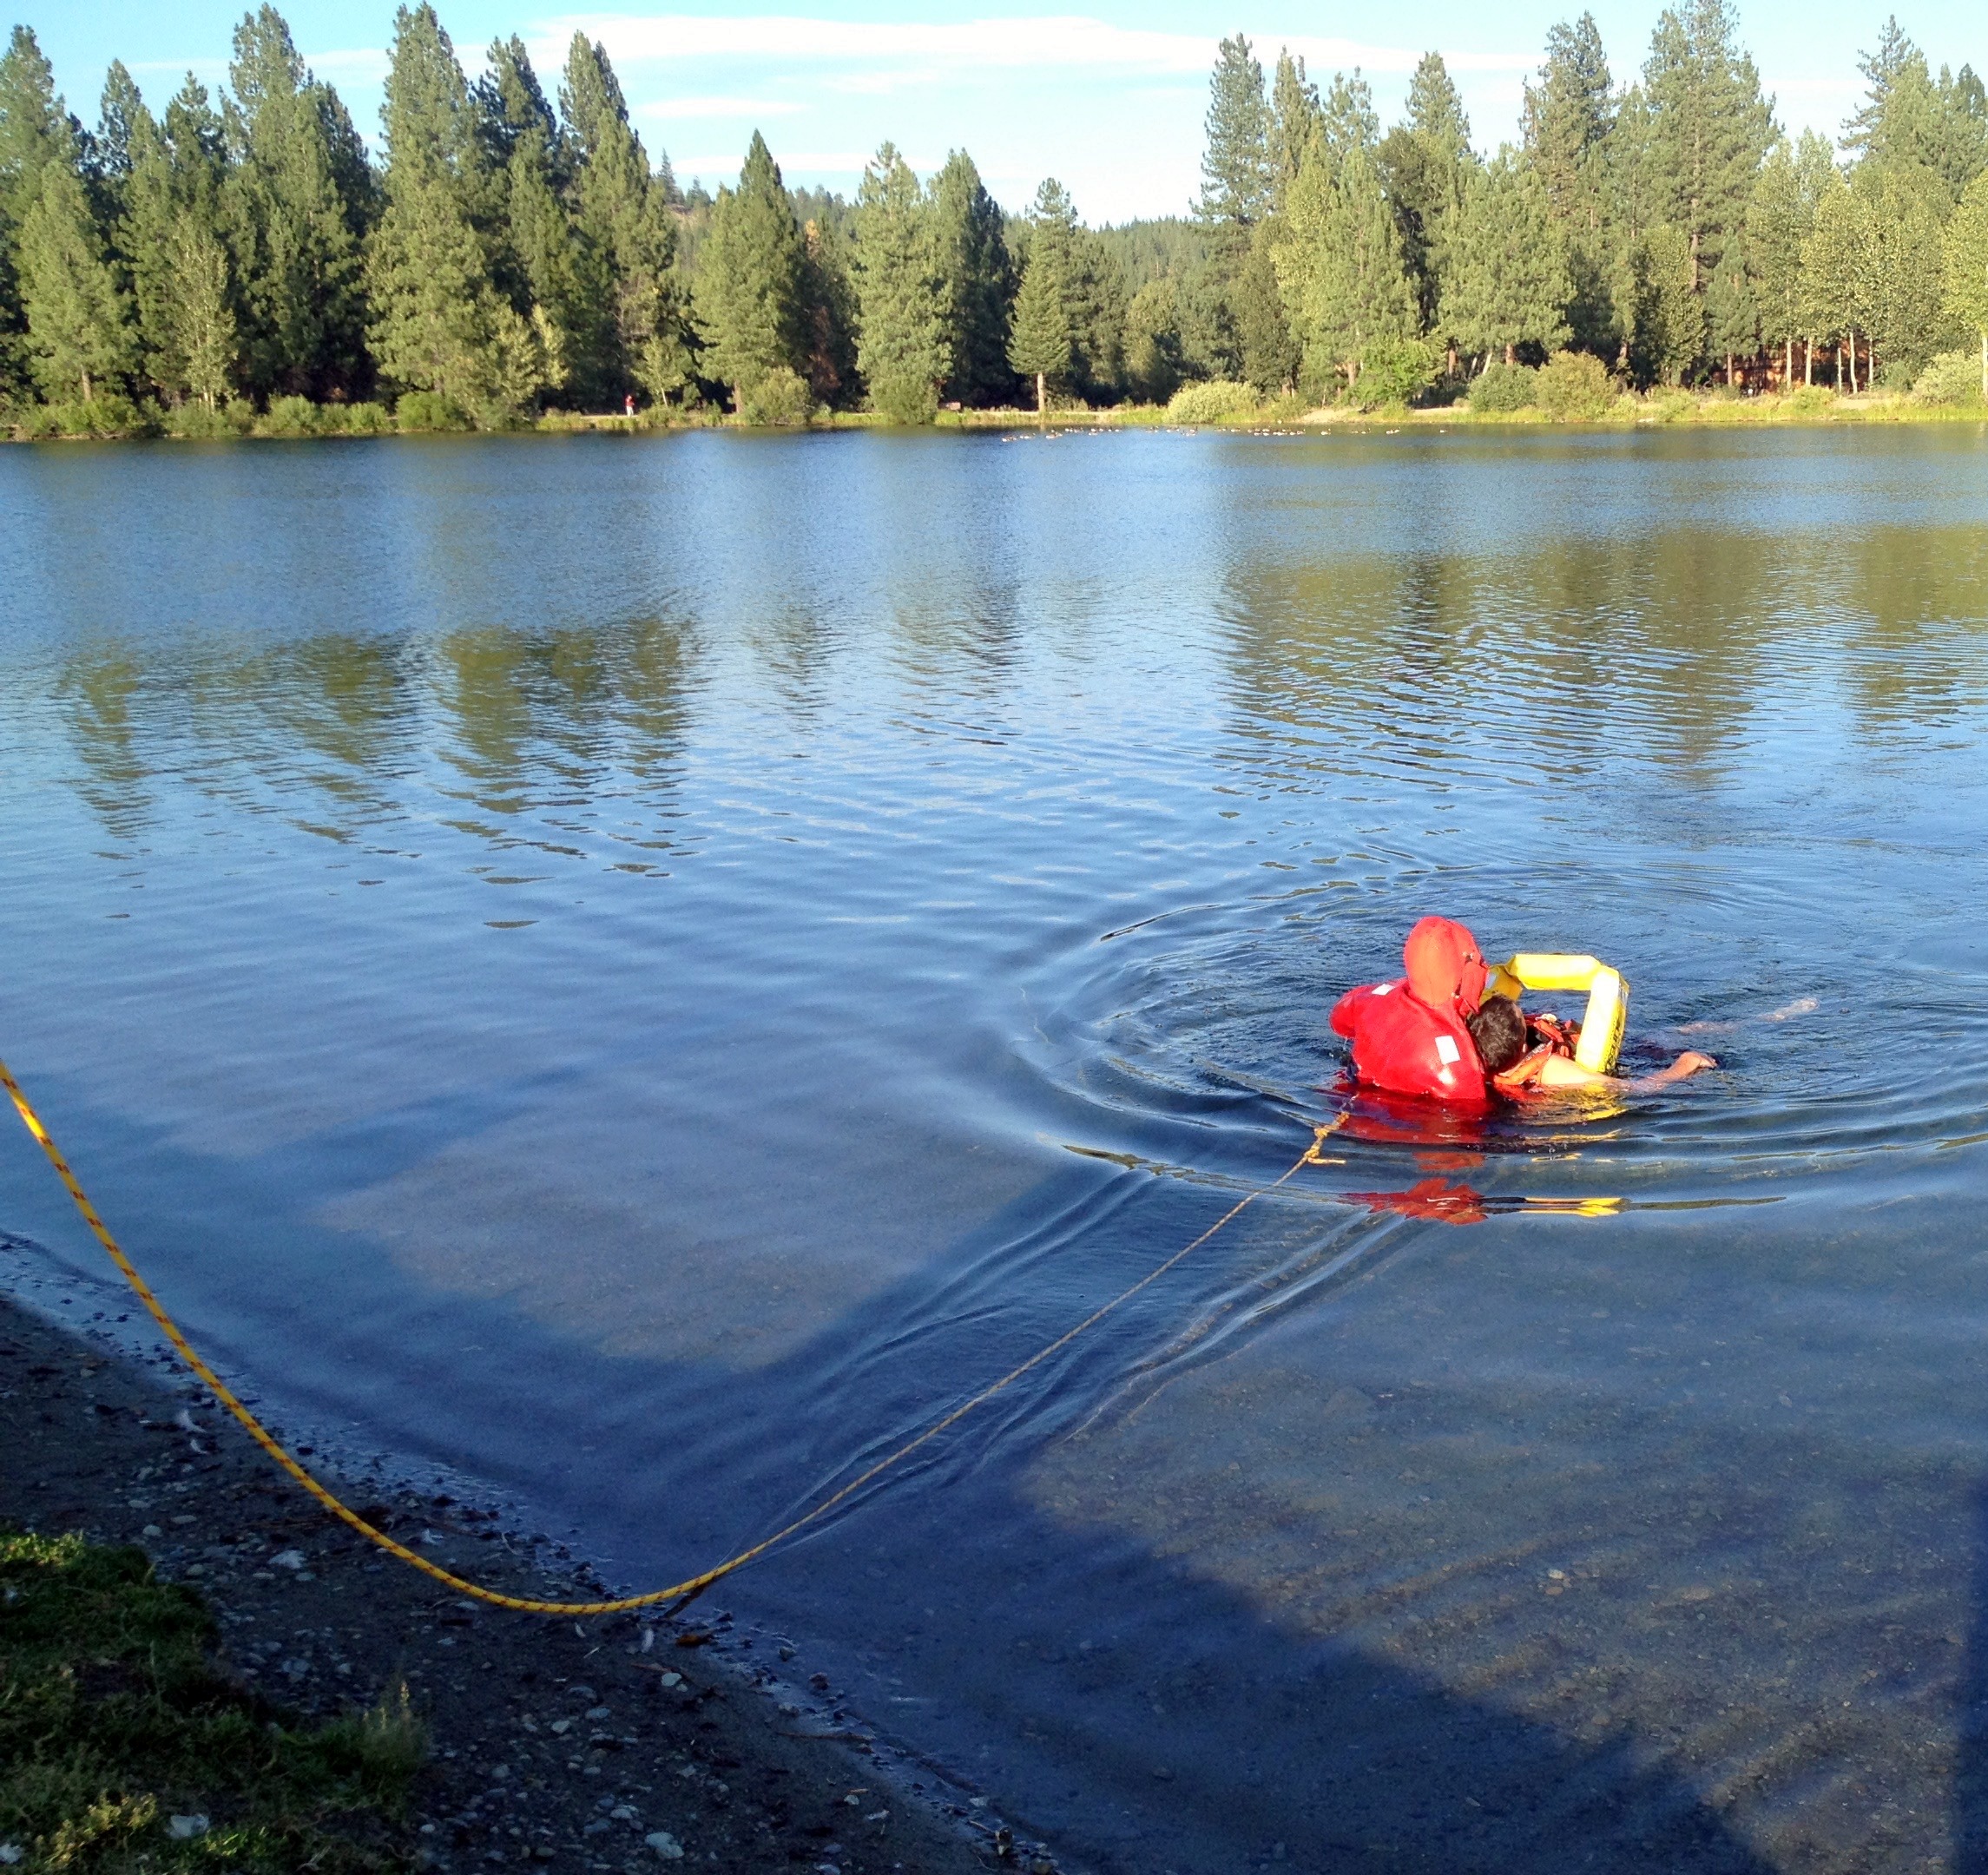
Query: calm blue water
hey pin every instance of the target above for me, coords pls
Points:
(642, 970)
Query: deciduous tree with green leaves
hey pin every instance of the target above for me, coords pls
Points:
(1966, 266)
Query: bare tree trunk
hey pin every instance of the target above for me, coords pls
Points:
(1985, 364)
(1042, 402)
(1511, 354)
(1728, 371)
(86, 390)
(1807, 362)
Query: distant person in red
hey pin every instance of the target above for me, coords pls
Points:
(628, 405)
(1413, 1036)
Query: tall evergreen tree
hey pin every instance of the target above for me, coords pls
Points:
(901, 344)
(1340, 267)
(624, 217)
(1347, 121)
(1667, 331)
(1152, 348)
(79, 326)
(301, 204)
(1270, 355)
(1570, 119)
(1424, 164)
(35, 131)
(1039, 341)
(1294, 123)
(978, 283)
(1731, 318)
(1507, 283)
(829, 311)
(1710, 126)
(440, 322)
(1235, 164)
(748, 291)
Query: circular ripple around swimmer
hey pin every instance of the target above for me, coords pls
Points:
(1196, 1036)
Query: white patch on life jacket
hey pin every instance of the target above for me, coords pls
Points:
(1447, 1052)
(1382, 989)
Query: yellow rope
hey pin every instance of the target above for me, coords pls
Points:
(694, 1585)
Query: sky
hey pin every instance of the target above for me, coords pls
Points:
(1109, 99)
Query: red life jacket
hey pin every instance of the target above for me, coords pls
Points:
(1402, 1044)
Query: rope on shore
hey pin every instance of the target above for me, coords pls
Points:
(692, 1586)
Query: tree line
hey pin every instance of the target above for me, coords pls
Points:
(1665, 226)
(507, 253)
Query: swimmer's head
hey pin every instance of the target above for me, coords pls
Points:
(1498, 1030)
(1446, 968)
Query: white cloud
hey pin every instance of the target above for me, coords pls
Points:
(359, 64)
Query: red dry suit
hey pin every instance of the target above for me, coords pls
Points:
(1409, 1036)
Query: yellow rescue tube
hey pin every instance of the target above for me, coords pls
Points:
(1607, 998)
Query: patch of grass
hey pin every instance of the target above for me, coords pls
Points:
(114, 1722)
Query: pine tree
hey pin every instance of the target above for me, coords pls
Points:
(1507, 285)
(1732, 318)
(301, 203)
(828, 309)
(1270, 356)
(748, 291)
(1340, 267)
(1710, 128)
(978, 283)
(901, 344)
(1235, 166)
(1424, 164)
(440, 324)
(1966, 266)
(1347, 121)
(79, 327)
(1152, 346)
(1570, 119)
(35, 131)
(625, 219)
(1040, 344)
(1667, 335)
(1294, 123)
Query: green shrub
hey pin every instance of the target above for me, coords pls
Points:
(1669, 405)
(1952, 378)
(429, 410)
(1575, 387)
(780, 400)
(1501, 389)
(1809, 400)
(1395, 371)
(110, 413)
(289, 417)
(199, 425)
(1216, 401)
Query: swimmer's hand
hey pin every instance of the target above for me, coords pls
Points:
(1690, 1062)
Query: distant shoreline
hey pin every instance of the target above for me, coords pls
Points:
(1658, 411)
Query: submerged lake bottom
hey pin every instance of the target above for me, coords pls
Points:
(642, 971)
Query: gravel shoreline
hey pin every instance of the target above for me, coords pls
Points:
(607, 1745)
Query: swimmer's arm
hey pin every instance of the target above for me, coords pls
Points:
(1558, 1072)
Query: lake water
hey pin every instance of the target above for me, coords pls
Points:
(643, 969)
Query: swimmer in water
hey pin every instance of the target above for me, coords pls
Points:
(1415, 1035)
(1522, 1057)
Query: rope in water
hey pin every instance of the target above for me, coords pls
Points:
(691, 1586)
